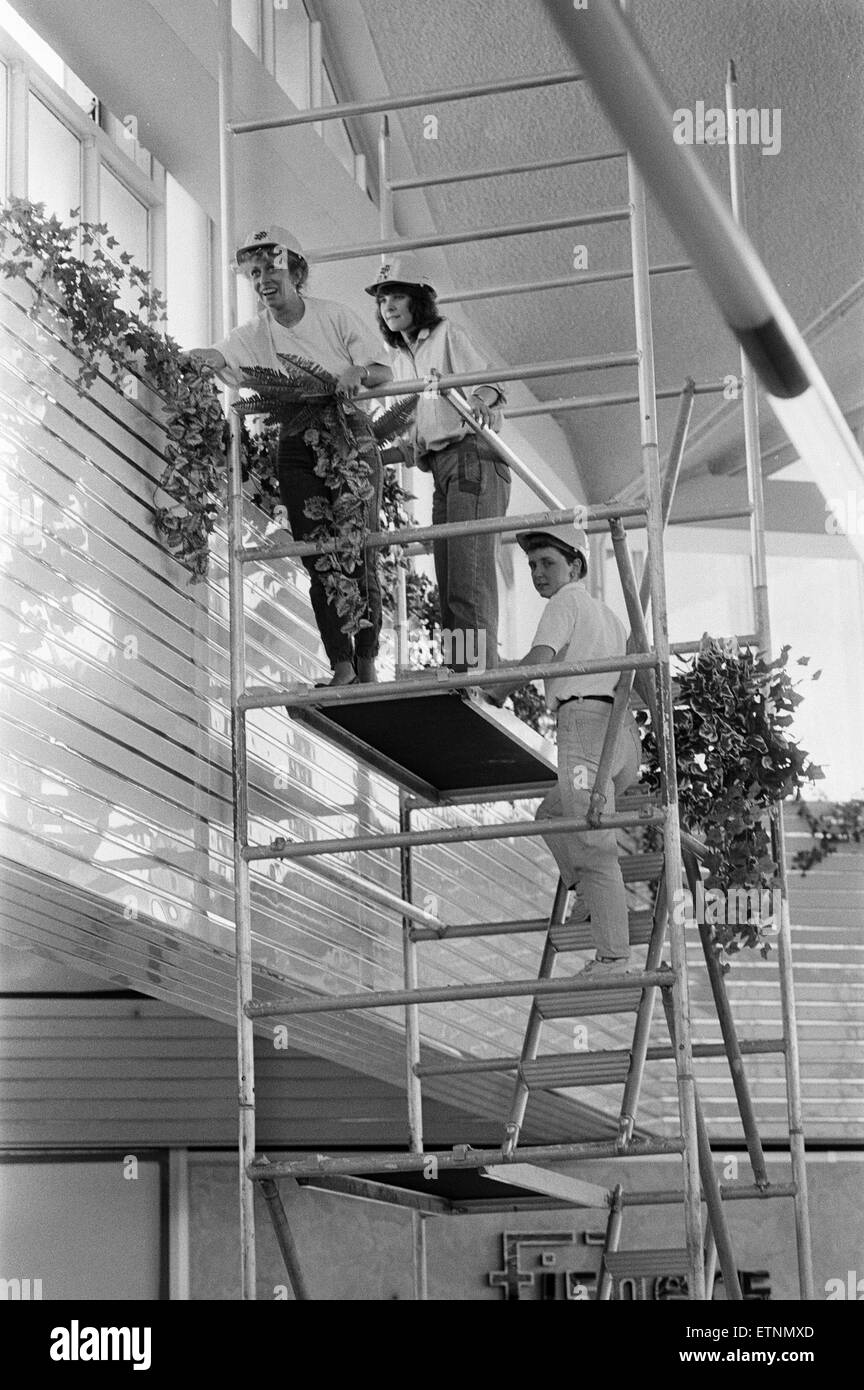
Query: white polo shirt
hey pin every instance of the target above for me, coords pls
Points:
(328, 333)
(578, 627)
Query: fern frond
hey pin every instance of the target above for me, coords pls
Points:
(395, 421)
(303, 367)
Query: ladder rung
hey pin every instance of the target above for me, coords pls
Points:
(601, 1001)
(576, 936)
(575, 1069)
(642, 1264)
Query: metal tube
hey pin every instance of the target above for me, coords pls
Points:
(452, 835)
(620, 704)
(795, 1108)
(750, 405)
(237, 648)
(644, 1016)
(665, 722)
(623, 78)
(462, 1158)
(633, 604)
(320, 255)
(485, 526)
(425, 685)
(504, 451)
(613, 1238)
(528, 371)
(600, 402)
(410, 980)
(730, 1036)
(757, 1046)
(345, 109)
(737, 1193)
(762, 616)
(502, 170)
(531, 1040)
(448, 994)
(710, 1262)
(285, 1237)
(371, 891)
(418, 1256)
(672, 469)
(598, 277)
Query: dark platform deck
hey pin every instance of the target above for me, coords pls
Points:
(447, 746)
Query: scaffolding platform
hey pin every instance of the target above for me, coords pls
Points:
(448, 745)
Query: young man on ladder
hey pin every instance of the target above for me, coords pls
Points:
(577, 627)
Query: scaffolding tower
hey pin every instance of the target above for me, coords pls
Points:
(355, 719)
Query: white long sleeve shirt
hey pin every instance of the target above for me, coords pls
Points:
(447, 349)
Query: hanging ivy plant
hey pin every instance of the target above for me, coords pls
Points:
(302, 399)
(735, 760)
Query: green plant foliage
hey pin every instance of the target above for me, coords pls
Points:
(831, 825)
(735, 760)
(81, 296)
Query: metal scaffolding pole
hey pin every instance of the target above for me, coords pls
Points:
(502, 170)
(412, 1053)
(597, 277)
(237, 643)
(666, 728)
(345, 109)
(752, 448)
(321, 255)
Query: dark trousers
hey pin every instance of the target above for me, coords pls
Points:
(298, 482)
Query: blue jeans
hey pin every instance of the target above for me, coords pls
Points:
(591, 858)
(471, 483)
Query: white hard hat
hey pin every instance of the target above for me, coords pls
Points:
(400, 270)
(566, 536)
(273, 235)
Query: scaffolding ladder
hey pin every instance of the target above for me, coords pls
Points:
(648, 665)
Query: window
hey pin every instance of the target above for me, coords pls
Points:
(4, 136)
(188, 271)
(128, 221)
(335, 132)
(244, 16)
(53, 161)
(291, 50)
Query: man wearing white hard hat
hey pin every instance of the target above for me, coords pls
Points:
(336, 338)
(471, 481)
(575, 626)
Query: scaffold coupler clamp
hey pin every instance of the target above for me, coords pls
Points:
(625, 1132)
(511, 1139)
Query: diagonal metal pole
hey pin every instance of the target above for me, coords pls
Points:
(531, 1041)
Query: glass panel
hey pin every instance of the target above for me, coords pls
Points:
(54, 161)
(30, 41)
(4, 135)
(335, 133)
(188, 272)
(244, 16)
(291, 50)
(128, 221)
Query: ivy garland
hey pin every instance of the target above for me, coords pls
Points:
(78, 273)
(302, 399)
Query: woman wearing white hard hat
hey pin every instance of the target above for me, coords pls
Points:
(336, 338)
(471, 481)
